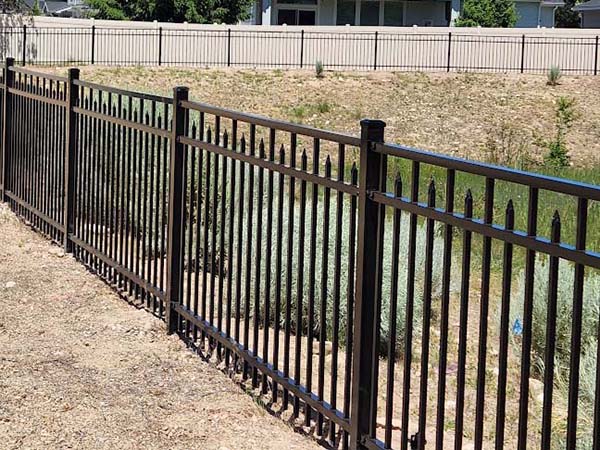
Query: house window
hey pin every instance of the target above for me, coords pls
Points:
(369, 12)
(346, 12)
(393, 14)
(297, 12)
(296, 17)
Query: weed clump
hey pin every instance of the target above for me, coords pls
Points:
(506, 146)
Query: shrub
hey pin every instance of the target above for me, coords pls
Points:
(589, 342)
(342, 277)
(554, 76)
(488, 13)
(507, 146)
(557, 155)
(319, 69)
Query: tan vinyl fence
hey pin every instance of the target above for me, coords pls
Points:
(82, 41)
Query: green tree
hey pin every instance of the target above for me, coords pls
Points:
(192, 11)
(35, 9)
(488, 13)
(566, 17)
(107, 9)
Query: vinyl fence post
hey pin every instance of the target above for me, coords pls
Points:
(523, 54)
(302, 49)
(448, 65)
(176, 217)
(372, 176)
(24, 49)
(229, 47)
(596, 57)
(160, 36)
(9, 78)
(375, 56)
(70, 158)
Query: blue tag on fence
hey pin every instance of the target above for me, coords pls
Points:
(517, 328)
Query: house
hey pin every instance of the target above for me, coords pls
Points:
(60, 8)
(590, 13)
(427, 13)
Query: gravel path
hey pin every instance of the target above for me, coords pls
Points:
(80, 368)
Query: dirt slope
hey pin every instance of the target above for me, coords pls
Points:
(79, 368)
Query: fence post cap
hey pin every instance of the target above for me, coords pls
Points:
(10, 61)
(372, 123)
(178, 90)
(372, 130)
(74, 73)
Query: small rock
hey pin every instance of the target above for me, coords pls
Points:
(59, 252)
(536, 389)
(10, 284)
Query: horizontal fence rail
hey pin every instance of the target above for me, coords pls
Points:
(381, 296)
(340, 50)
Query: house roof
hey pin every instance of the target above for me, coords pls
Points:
(54, 6)
(591, 5)
(57, 6)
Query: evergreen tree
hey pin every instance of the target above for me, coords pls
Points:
(488, 13)
(35, 10)
(566, 17)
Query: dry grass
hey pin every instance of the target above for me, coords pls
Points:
(80, 368)
(451, 113)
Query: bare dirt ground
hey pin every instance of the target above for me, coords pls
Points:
(80, 368)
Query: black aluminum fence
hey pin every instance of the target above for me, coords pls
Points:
(408, 51)
(294, 258)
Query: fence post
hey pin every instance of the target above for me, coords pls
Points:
(9, 78)
(364, 353)
(596, 58)
(228, 47)
(93, 56)
(375, 58)
(523, 54)
(24, 49)
(449, 52)
(302, 49)
(160, 36)
(70, 158)
(176, 199)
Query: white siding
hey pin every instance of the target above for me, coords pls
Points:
(327, 12)
(527, 14)
(547, 17)
(591, 19)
